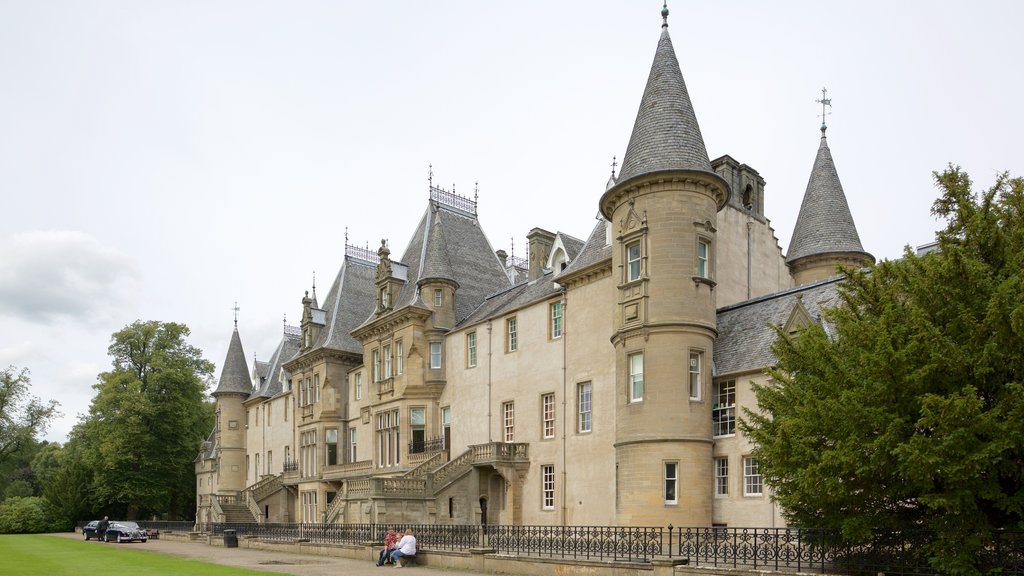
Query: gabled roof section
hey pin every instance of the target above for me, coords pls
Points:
(665, 135)
(513, 299)
(745, 335)
(824, 225)
(449, 242)
(348, 303)
(594, 250)
(286, 349)
(234, 378)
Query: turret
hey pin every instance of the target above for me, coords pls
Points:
(232, 390)
(825, 235)
(662, 208)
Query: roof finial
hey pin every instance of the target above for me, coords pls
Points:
(664, 14)
(430, 175)
(346, 235)
(236, 309)
(614, 164)
(314, 284)
(284, 322)
(824, 102)
(476, 192)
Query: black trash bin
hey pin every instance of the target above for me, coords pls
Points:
(231, 539)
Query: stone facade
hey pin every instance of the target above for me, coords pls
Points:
(598, 382)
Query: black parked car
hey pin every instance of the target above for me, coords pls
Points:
(89, 530)
(124, 531)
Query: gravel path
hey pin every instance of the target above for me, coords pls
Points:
(276, 562)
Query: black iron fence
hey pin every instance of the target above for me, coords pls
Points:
(776, 549)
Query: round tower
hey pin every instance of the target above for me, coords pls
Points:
(662, 210)
(234, 387)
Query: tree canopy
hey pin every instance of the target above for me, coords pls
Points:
(23, 417)
(147, 420)
(908, 412)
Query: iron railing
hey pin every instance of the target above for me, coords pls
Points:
(432, 445)
(903, 553)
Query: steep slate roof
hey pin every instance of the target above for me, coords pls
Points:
(512, 299)
(825, 224)
(261, 368)
(665, 135)
(744, 336)
(348, 303)
(234, 378)
(594, 250)
(285, 351)
(449, 244)
(572, 245)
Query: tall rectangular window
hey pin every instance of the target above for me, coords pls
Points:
(418, 429)
(352, 445)
(511, 335)
(309, 506)
(584, 398)
(751, 477)
(671, 482)
(446, 425)
(388, 438)
(547, 474)
(632, 261)
(357, 383)
(399, 358)
(556, 320)
(307, 449)
(387, 361)
(376, 365)
(696, 359)
(508, 412)
(437, 297)
(316, 387)
(435, 355)
(703, 250)
(548, 415)
(636, 377)
(721, 476)
(471, 349)
(309, 391)
(723, 411)
(331, 442)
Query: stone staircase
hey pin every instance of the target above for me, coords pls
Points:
(237, 514)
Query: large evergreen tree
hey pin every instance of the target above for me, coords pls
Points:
(908, 412)
(146, 421)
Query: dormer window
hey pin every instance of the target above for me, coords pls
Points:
(385, 298)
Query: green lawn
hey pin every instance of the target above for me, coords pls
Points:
(42, 555)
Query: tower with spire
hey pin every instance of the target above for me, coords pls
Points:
(232, 390)
(663, 213)
(825, 235)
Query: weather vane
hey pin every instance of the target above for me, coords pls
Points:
(236, 309)
(824, 102)
(615, 164)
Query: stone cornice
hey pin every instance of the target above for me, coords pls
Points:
(645, 330)
(389, 323)
(318, 355)
(588, 274)
(713, 185)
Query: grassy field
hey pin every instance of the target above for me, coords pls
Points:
(42, 555)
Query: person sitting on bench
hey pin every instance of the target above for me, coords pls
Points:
(405, 547)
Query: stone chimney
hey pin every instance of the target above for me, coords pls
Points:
(540, 242)
(503, 258)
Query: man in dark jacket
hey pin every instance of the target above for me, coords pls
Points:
(101, 529)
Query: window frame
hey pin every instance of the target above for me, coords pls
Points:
(399, 358)
(723, 413)
(547, 410)
(671, 482)
(511, 334)
(385, 353)
(357, 385)
(696, 377)
(331, 448)
(508, 422)
(436, 351)
(438, 297)
(721, 472)
(547, 487)
(584, 415)
(703, 261)
(635, 385)
(632, 275)
(471, 350)
(556, 314)
(752, 478)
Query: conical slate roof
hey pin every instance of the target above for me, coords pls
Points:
(234, 378)
(437, 264)
(665, 135)
(825, 225)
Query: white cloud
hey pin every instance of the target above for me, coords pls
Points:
(49, 275)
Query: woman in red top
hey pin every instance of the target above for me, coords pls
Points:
(389, 544)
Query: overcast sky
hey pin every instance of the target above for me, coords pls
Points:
(162, 160)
